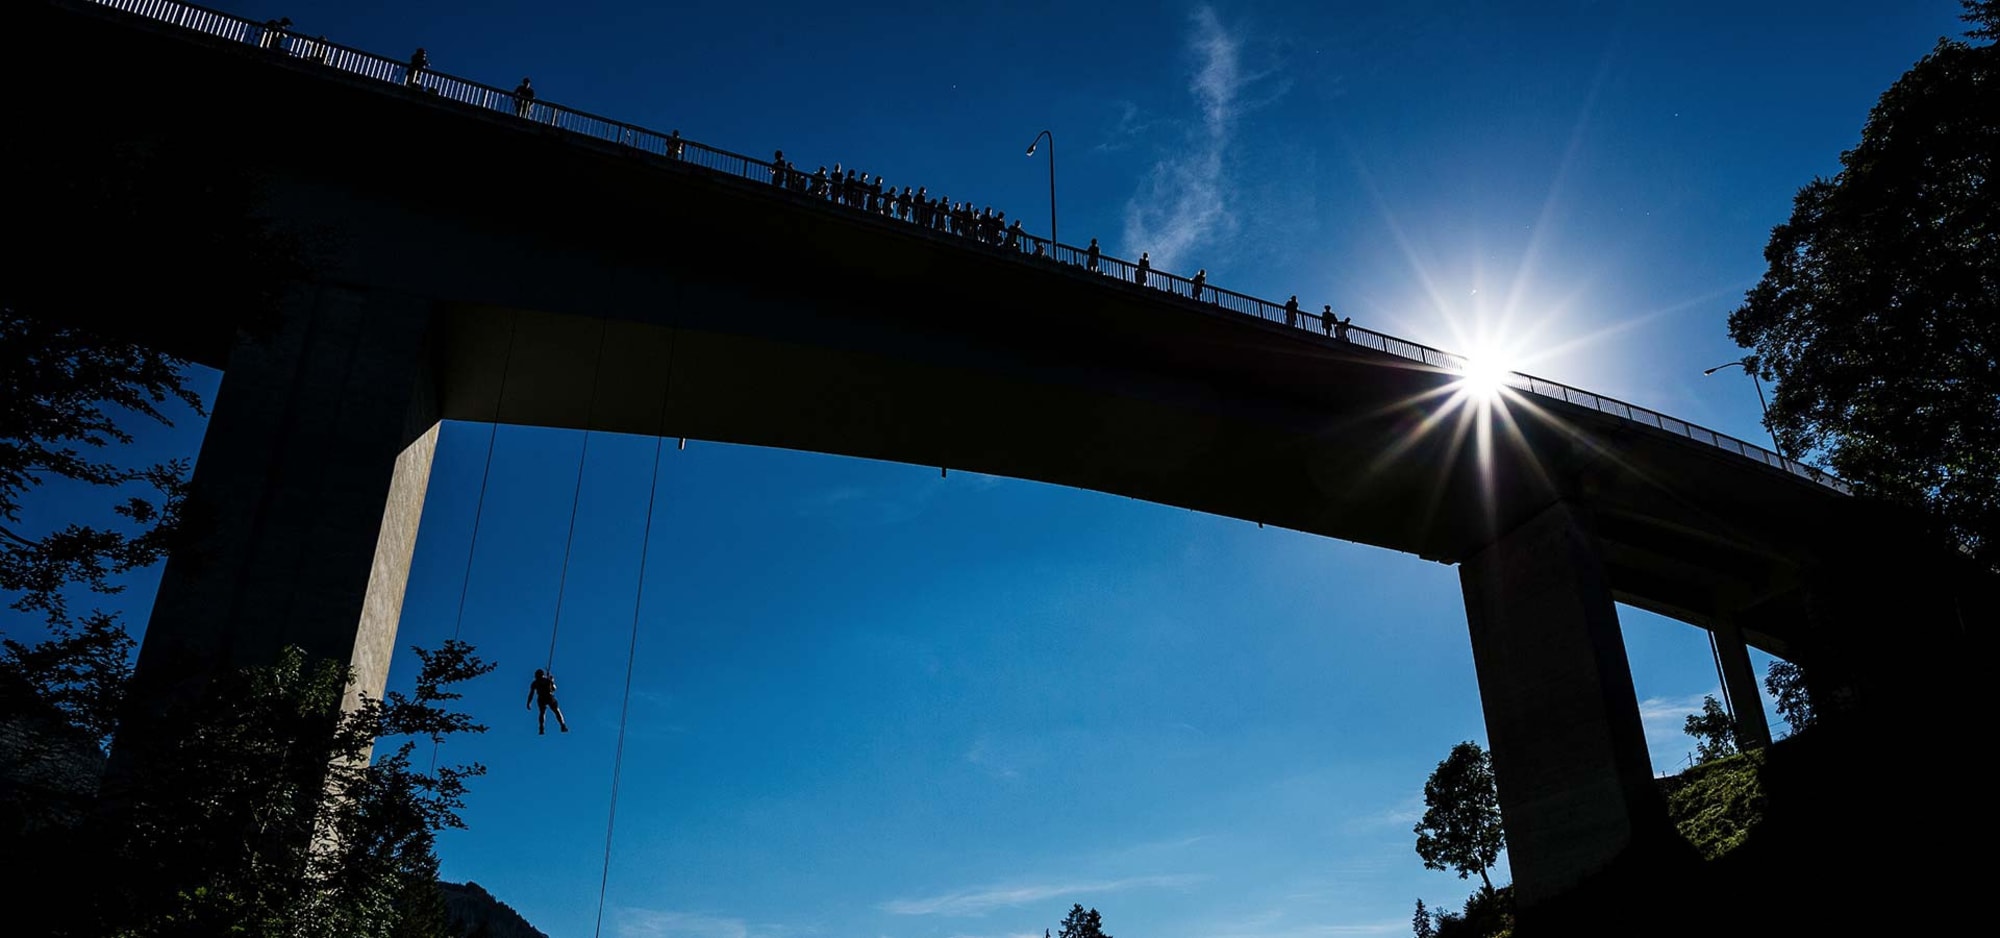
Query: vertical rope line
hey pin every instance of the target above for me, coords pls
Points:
(479, 506)
(632, 649)
(576, 497)
(485, 474)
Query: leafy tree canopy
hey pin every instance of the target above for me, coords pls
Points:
(1879, 313)
(1460, 830)
(1082, 924)
(126, 239)
(268, 818)
(1714, 731)
(1786, 683)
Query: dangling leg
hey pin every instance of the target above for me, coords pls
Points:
(560, 722)
(542, 718)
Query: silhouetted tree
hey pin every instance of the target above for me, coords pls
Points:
(1879, 315)
(1420, 923)
(1984, 15)
(1714, 731)
(1081, 924)
(1486, 914)
(123, 229)
(80, 671)
(226, 839)
(69, 393)
(1787, 683)
(1460, 830)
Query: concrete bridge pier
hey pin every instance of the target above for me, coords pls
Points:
(306, 498)
(1569, 753)
(1739, 678)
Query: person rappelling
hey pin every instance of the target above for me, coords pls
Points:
(542, 690)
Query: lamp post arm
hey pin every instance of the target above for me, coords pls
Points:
(1053, 240)
(1032, 146)
(1766, 408)
(1763, 406)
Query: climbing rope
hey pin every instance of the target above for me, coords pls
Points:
(479, 506)
(632, 647)
(485, 474)
(576, 497)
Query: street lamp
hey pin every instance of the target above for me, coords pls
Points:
(1748, 363)
(1052, 184)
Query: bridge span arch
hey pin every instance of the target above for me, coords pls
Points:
(622, 289)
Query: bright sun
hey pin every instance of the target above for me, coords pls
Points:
(1484, 376)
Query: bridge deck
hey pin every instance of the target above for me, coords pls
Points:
(746, 312)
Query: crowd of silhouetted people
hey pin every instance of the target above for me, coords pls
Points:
(873, 195)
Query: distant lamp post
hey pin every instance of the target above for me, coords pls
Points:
(1748, 364)
(1052, 184)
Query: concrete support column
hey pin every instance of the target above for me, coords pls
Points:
(306, 499)
(1739, 680)
(1576, 786)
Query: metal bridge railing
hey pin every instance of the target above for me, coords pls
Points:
(283, 42)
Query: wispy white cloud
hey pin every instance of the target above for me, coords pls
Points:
(1665, 722)
(1184, 200)
(1397, 927)
(982, 899)
(986, 755)
(661, 923)
(1277, 923)
(1404, 812)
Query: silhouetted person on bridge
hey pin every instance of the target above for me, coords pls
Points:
(1145, 267)
(818, 183)
(273, 36)
(778, 168)
(903, 204)
(1090, 256)
(542, 690)
(674, 145)
(1200, 282)
(419, 60)
(1326, 318)
(1292, 310)
(524, 98)
(1014, 235)
(1340, 328)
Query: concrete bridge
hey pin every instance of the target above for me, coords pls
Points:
(619, 281)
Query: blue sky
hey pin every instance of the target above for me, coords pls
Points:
(873, 703)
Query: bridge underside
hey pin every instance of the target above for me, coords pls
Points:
(460, 247)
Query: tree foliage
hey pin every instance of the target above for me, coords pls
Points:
(269, 818)
(1460, 830)
(1082, 924)
(1487, 913)
(1879, 313)
(1984, 15)
(80, 671)
(1420, 923)
(1786, 683)
(126, 240)
(67, 393)
(1714, 731)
